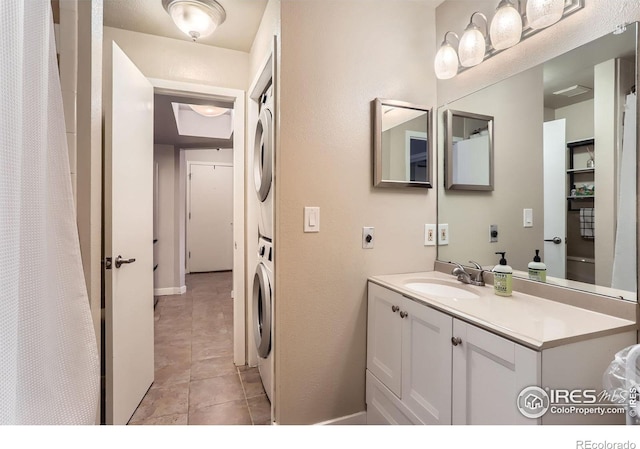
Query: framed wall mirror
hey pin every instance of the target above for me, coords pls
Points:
(565, 162)
(468, 151)
(401, 144)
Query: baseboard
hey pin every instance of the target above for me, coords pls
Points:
(357, 419)
(169, 291)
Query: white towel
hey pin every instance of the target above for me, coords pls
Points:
(587, 222)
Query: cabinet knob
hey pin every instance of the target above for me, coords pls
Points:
(455, 341)
(394, 309)
(404, 314)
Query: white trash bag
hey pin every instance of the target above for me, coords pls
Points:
(622, 381)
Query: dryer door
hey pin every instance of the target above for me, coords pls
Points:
(262, 311)
(262, 154)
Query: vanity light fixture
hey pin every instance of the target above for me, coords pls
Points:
(543, 13)
(446, 62)
(196, 18)
(513, 22)
(506, 26)
(473, 43)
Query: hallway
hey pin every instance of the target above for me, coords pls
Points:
(196, 381)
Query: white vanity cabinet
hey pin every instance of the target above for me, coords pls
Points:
(408, 361)
(425, 367)
(488, 374)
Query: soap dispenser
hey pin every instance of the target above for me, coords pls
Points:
(537, 269)
(502, 277)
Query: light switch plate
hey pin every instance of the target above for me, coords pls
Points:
(311, 219)
(367, 237)
(443, 234)
(527, 218)
(430, 235)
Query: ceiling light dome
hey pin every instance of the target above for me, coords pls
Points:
(506, 26)
(196, 18)
(446, 61)
(208, 110)
(473, 44)
(542, 13)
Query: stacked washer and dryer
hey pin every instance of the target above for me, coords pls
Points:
(263, 291)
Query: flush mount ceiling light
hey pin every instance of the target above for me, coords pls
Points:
(446, 62)
(473, 43)
(196, 18)
(573, 91)
(506, 26)
(208, 110)
(543, 13)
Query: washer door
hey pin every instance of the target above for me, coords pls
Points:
(262, 154)
(262, 311)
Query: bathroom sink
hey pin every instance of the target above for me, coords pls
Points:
(440, 290)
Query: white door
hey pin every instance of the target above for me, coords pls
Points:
(210, 218)
(384, 337)
(555, 199)
(128, 233)
(489, 372)
(426, 362)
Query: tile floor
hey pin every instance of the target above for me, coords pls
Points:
(196, 381)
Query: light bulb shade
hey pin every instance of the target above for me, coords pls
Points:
(506, 26)
(446, 62)
(207, 110)
(472, 47)
(542, 13)
(196, 18)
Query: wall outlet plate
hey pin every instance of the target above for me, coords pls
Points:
(367, 237)
(430, 235)
(443, 234)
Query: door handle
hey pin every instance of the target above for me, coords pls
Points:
(120, 261)
(556, 240)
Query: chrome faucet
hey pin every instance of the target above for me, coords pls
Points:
(465, 277)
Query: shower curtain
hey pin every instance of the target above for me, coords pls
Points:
(49, 368)
(624, 262)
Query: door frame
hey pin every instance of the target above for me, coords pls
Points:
(188, 201)
(168, 87)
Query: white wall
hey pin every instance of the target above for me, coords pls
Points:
(167, 276)
(337, 57)
(579, 118)
(176, 60)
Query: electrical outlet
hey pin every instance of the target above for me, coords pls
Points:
(493, 233)
(430, 235)
(443, 234)
(367, 237)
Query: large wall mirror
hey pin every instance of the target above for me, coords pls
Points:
(565, 169)
(468, 155)
(401, 143)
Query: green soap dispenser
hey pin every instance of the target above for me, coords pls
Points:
(537, 269)
(502, 277)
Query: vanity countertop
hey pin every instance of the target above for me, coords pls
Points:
(535, 322)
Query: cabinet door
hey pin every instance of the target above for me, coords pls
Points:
(488, 374)
(384, 336)
(426, 362)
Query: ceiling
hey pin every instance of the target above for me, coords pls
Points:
(148, 16)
